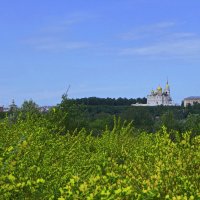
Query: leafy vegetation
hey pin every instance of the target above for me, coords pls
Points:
(95, 113)
(40, 161)
(79, 151)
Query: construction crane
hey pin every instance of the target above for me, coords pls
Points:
(65, 95)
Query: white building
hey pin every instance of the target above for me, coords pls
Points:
(160, 97)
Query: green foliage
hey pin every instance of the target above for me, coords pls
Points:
(94, 114)
(29, 107)
(168, 120)
(72, 115)
(108, 101)
(192, 123)
(2, 115)
(120, 164)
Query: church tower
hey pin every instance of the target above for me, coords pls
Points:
(167, 89)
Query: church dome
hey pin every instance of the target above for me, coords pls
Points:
(159, 89)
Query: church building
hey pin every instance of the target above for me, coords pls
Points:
(160, 97)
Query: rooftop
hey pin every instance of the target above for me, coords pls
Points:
(192, 98)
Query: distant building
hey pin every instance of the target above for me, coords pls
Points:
(6, 109)
(191, 100)
(45, 108)
(160, 97)
(1, 108)
(13, 106)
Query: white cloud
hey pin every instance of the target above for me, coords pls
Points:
(162, 40)
(169, 48)
(182, 35)
(64, 23)
(148, 30)
(61, 26)
(57, 34)
(56, 44)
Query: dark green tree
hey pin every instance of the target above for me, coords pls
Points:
(168, 120)
(192, 123)
(71, 115)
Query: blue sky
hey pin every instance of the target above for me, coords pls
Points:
(103, 48)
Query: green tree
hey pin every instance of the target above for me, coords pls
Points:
(29, 109)
(73, 116)
(192, 123)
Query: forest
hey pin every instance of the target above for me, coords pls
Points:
(95, 114)
(95, 148)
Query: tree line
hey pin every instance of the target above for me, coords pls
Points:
(109, 101)
(95, 114)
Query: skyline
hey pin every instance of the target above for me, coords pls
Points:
(99, 48)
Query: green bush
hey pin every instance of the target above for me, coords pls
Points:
(37, 163)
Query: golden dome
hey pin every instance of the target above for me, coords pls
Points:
(159, 88)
